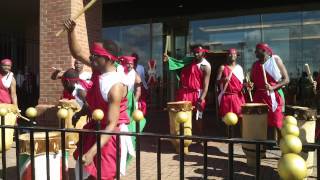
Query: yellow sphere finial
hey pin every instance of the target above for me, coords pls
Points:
(97, 115)
(290, 120)
(62, 113)
(137, 115)
(230, 119)
(31, 112)
(182, 117)
(3, 111)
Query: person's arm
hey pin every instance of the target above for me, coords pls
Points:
(137, 87)
(219, 75)
(74, 46)
(206, 81)
(116, 94)
(285, 80)
(13, 92)
(176, 64)
(57, 74)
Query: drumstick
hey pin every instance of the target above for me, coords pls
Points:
(22, 117)
(307, 68)
(249, 90)
(77, 15)
(167, 46)
(265, 78)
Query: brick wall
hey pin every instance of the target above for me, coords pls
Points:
(54, 51)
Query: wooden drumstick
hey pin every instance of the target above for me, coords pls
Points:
(249, 90)
(22, 117)
(265, 78)
(307, 68)
(86, 7)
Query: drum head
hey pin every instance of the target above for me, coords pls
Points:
(38, 135)
(179, 102)
(254, 108)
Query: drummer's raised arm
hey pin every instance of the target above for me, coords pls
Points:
(74, 46)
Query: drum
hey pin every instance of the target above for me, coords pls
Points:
(254, 127)
(55, 156)
(306, 118)
(72, 106)
(174, 108)
(10, 119)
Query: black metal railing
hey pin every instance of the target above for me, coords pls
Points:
(205, 139)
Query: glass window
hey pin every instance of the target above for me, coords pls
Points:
(311, 39)
(137, 39)
(241, 32)
(282, 31)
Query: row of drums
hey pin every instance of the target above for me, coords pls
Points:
(254, 127)
(55, 154)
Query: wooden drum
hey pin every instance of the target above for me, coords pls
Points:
(254, 127)
(306, 118)
(72, 106)
(10, 119)
(174, 108)
(55, 155)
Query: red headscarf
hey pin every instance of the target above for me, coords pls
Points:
(6, 62)
(232, 51)
(126, 60)
(97, 49)
(200, 49)
(265, 47)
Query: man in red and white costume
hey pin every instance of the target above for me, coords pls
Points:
(8, 93)
(269, 75)
(108, 93)
(194, 80)
(230, 78)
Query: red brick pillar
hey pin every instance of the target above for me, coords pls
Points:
(54, 51)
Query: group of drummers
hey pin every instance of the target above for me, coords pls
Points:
(116, 88)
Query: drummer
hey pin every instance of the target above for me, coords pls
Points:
(230, 78)
(194, 80)
(107, 93)
(8, 93)
(268, 87)
(74, 87)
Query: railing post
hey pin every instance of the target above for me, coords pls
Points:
(32, 113)
(318, 163)
(16, 134)
(98, 115)
(181, 118)
(205, 159)
(258, 161)
(137, 117)
(159, 158)
(62, 115)
(138, 150)
(3, 113)
(230, 160)
(118, 156)
(181, 146)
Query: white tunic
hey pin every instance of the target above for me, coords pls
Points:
(85, 75)
(7, 79)
(130, 80)
(141, 72)
(106, 81)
